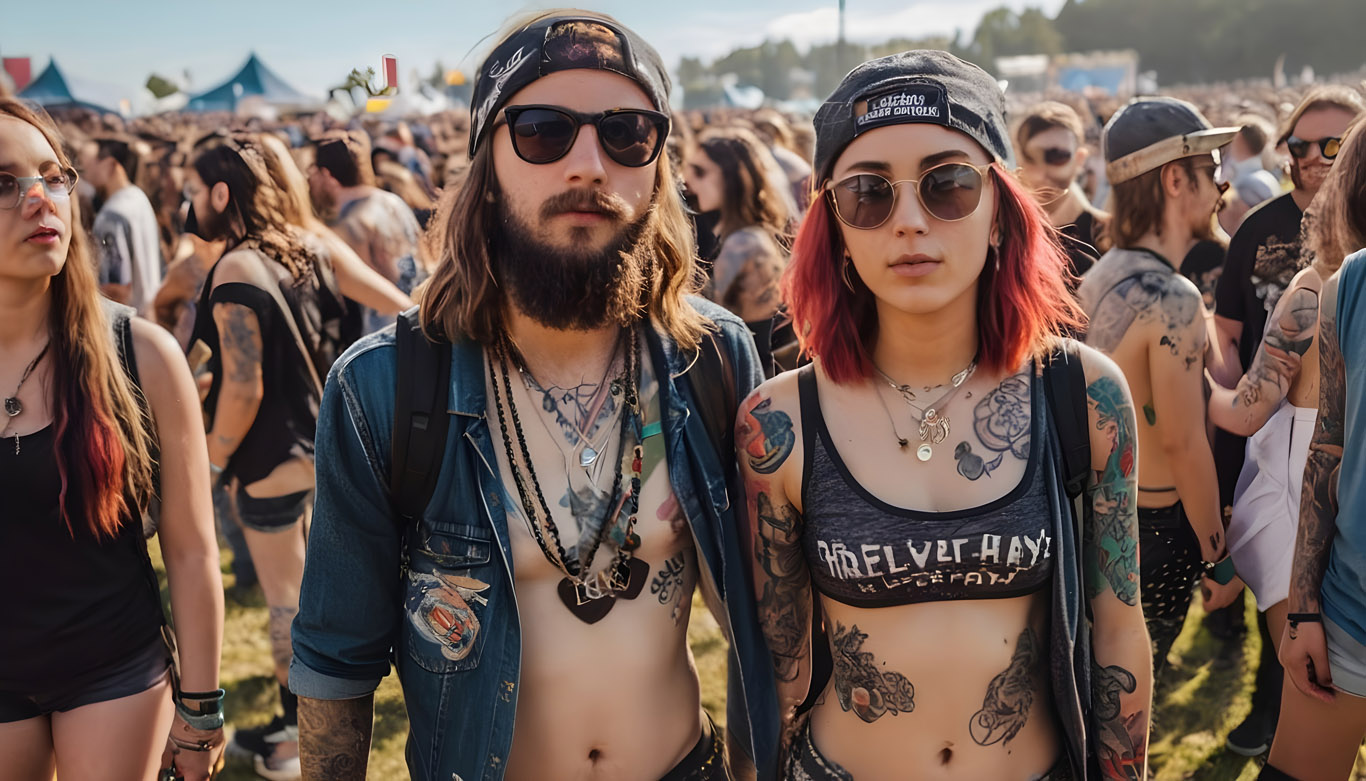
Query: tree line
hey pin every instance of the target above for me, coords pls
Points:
(1183, 41)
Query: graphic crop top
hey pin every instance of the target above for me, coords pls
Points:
(864, 552)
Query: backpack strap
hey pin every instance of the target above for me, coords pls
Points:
(1065, 384)
(421, 423)
(712, 382)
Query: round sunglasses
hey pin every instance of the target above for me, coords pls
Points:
(948, 192)
(629, 136)
(1299, 147)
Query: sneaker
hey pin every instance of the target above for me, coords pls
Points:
(278, 769)
(1253, 737)
(260, 741)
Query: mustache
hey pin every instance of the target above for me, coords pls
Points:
(586, 200)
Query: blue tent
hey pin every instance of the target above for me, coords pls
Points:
(54, 89)
(253, 80)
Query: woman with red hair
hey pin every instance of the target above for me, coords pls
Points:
(94, 427)
(907, 490)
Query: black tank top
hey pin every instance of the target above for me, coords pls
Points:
(287, 419)
(866, 553)
(73, 603)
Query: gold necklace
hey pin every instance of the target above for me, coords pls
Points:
(934, 426)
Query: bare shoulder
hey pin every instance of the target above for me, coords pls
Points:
(1097, 365)
(161, 364)
(241, 265)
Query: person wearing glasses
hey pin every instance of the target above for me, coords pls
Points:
(1051, 143)
(99, 416)
(1263, 257)
(1161, 155)
(907, 486)
(536, 597)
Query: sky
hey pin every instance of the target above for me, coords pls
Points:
(314, 44)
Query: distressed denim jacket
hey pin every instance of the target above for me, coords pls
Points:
(367, 576)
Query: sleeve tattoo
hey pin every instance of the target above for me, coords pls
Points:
(1110, 539)
(1318, 502)
(1122, 740)
(785, 597)
(240, 340)
(1290, 329)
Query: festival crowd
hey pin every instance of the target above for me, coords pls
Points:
(946, 402)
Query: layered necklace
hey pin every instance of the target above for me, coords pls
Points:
(588, 595)
(13, 408)
(934, 424)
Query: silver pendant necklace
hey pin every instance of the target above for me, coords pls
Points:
(934, 426)
(13, 407)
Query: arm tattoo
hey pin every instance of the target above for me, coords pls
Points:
(767, 435)
(1318, 502)
(241, 344)
(861, 685)
(1291, 329)
(334, 738)
(1001, 420)
(1122, 745)
(1010, 695)
(785, 602)
(1111, 538)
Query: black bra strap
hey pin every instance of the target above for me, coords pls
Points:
(810, 404)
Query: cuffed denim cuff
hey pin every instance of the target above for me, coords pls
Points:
(307, 682)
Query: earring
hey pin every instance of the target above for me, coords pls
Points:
(844, 272)
(996, 253)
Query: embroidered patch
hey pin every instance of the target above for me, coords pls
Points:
(441, 611)
(906, 103)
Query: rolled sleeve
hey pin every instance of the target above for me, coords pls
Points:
(349, 603)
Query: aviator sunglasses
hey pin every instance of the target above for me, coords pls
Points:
(57, 184)
(949, 192)
(1299, 148)
(629, 136)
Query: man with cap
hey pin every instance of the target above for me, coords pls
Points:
(1161, 155)
(536, 596)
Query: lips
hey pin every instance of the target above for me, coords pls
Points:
(44, 232)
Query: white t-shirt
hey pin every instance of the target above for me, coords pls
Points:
(128, 246)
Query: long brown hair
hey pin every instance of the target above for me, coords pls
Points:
(462, 298)
(103, 437)
(1337, 216)
(750, 187)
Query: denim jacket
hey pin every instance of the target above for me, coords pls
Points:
(366, 577)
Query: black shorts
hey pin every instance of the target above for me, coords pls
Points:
(706, 761)
(134, 674)
(272, 513)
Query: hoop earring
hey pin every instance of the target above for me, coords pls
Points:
(844, 273)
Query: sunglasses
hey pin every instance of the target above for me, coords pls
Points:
(1299, 148)
(57, 184)
(949, 192)
(629, 136)
(1053, 156)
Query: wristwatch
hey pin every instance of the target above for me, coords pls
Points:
(1222, 571)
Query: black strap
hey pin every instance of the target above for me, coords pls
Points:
(1065, 384)
(421, 422)
(712, 381)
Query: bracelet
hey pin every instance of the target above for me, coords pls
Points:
(215, 469)
(1295, 619)
(1222, 571)
(208, 715)
(198, 745)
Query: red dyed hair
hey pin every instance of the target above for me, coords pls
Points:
(102, 436)
(1021, 309)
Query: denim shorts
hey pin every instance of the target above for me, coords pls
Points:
(272, 513)
(131, 675)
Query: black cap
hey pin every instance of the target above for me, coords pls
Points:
(1148, 133)
(558, 43)
(914, 86)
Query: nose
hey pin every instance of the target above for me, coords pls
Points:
(31, 204)
(909, 215)
(584, 162)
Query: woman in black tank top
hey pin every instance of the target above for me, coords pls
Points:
(85, 683)
(922, 580)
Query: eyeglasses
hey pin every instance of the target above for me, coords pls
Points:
(629, 136)
(1299, 148)
(1053, 156)
(1213, 169)
(57, 184)
(949, 192)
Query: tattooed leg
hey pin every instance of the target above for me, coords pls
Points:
(1010, 695)
(861, 685)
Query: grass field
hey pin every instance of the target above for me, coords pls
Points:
(1201, 696)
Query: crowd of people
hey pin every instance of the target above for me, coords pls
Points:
(363, 355)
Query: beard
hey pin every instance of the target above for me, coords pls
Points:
(575, 288)
(210, 226)
(1310, 180)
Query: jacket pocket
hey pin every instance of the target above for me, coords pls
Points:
(446, 597)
